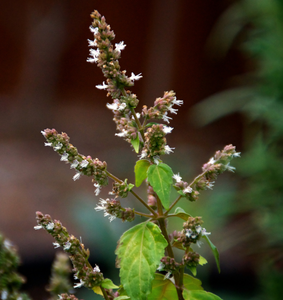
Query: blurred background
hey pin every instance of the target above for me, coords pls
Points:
(223, 58)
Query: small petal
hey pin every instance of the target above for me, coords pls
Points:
(94, 30)
(96, 269)
(102, 86)
(78, 285)
(135, 77)
(67, 246)
(56, 245)
(113, 106)
(120, 46)
(43, 133)
(50, 226)
(168, 150)
(92, 43)
(64, 157)
(58, 146)
(177, 102)
(237, 154)
(37, 227)
(84, 163)
(177, 177)
(76, 176)
(167, 129)
(173, 110)
(74, 164)
(187, 190)
(122, 134)
(166, 118)
(48, 144)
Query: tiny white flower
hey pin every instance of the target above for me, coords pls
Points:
(189, 232)
(76, 176)
(177, 102)
(230, 168)
(143, 154)
(43, 132)
(168, 150)
(94, 53)
(92, 43)
(156, 160)
(122, 106)
(111, 217)
(91, 60)
(199, 243)
(98, 188)
(204, 232)
(58, 146)
(78, 285)
(237, 154)
(187, 190)
(48, 144)
(177, 177)
(64, 157)
(198, 229)
(166, 118)
(96, 269)
(167, 276)
(102, 86)
(122, 134)
(74, 164)
(167, 129)
(212, 161)
(37, 227)
(60, 297)
(101, 205)
(112, 106)
(161, 267)
(135, 77)
(50, 226)
(84, 163)
(67, 246)
(120, 46)
(209, 184)
(94, 30)
(56, 245)
(172, 110)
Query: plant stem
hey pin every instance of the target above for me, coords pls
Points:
(172, 205)
(104, 293)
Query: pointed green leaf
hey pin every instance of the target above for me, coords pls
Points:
(160, 178)
(141, 171)
(214, 251)
(202, 260)
(162, 289)
(108, 284)
(136, 143)
(179, 212)
(199, 295)
(193, 270)
(130, 186)
(139, 252)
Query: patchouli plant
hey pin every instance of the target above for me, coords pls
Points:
(145, 253)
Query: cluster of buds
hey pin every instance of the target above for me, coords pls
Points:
(10, 280)
(82, 164)
(121, 189)
(88, 276)
(191, 259)
(59, 281)
(113, 209)
(169, 265)
(219, 163)
(193, 231)
(162, 106)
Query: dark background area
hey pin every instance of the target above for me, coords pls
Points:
(45, 82)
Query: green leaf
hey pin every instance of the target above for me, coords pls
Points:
(130, 186)
(162, 289)
(193, 270)
(151, 123)
(139, 252)
(136, 143)
(108, 284)
(179, 212)
(141, 171)
(160, 178)
(191, 283)
(202, 260)
(214, 251)
(121, 298)
(199, 295)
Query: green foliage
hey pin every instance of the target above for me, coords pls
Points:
(139, 252)
(214, 251)
(199, 295)
(180, 213)
(141, 168)
(160, 178)
(136, 144)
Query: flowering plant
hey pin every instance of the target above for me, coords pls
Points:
(145, 256)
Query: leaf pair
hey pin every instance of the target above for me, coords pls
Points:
(159, 176)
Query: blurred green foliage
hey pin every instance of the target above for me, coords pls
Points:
(256, 27)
